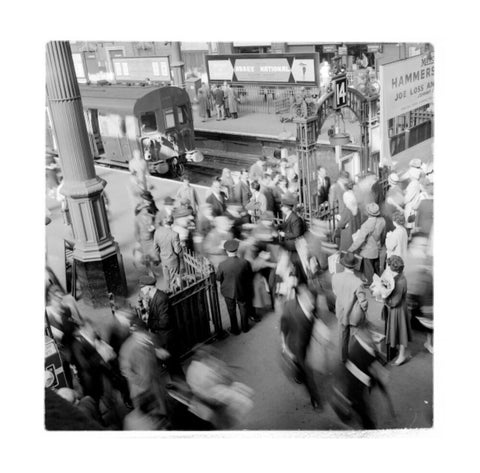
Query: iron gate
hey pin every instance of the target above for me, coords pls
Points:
(194, 307)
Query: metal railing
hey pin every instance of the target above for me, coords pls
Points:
(194, 305)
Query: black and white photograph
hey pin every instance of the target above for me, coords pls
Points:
(227, 228)
(239, 235)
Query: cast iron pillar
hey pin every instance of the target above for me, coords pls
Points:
(99, 267)
(178, 65)
(307, 134)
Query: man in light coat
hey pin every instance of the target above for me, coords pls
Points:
(350, 296)
(167, 245)
(369, 241)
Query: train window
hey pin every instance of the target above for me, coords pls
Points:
(182, 115)
(149, 122)
(169, 118)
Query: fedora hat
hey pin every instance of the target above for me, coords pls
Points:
(181, 212)
(373, 209)
(415, 163)
(168, 201)
(348, 260)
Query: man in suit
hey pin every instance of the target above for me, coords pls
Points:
(235, 276)
(241, 191)
(350, 296)
(323, 185)
(296, 326)
(167, 245)
(266, 189)
(217, 198)
(293, 226)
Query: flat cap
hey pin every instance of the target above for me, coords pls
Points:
(231, 245)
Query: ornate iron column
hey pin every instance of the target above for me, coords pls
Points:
(307, 134)
(96, 254)
(178, 65)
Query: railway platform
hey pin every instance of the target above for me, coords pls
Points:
(278, 403)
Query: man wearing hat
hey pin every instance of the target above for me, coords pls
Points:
(235, 276)
(186, 191)
(165, 211)
(350, 298)
(183, 225)
(336, 192)
(167, 245)
(369, 240)
(241, 191)
(293, 226)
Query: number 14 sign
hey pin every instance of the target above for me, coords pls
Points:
(340, 92)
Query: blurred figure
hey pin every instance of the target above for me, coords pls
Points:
(258, 202)
(187, 191)
(353, 381)
(51, 175)
(184, 225)
(218, 398)
(144, 230)
(414, 193)
(293, 226)
(138, 168)
(167, 246)
(396, 241)
(296, 326)
(238, 217)
(205, 220)
(424, 217)
(350, 221)
(351, 300)
(165, 211)
(235, 276)
(158, 320)
(227, 182)
(395, 313)
(217, 198)
(257, 169)
(86, 404)
(242, 192)
(323, 185)
(202, 103)
(140, 364)
(368, 240)
(214, 241)
(266, 189)
(337, 190)
(394, 201)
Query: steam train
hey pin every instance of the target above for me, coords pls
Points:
(124, 120)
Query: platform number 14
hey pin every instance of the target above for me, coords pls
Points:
(341, 93)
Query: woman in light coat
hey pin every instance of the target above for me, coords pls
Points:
(350, 221)
(232, 100)
(397, 240)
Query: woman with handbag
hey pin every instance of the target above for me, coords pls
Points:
(395, 313)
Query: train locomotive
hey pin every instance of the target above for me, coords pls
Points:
(124, 120)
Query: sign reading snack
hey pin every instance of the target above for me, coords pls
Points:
(264, 68)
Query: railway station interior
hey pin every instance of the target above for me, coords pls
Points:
(171, 165)
(240, 243)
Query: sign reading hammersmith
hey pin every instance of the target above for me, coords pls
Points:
(406, 85)
(280, 69)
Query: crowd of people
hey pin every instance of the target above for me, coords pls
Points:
(221, 101)
(267, 259)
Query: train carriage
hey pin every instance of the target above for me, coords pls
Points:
(157, 122)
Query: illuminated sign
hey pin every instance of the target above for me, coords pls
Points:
(264, 68)
(340, 92)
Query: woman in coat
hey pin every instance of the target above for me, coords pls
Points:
(202, 104)
(397, 240)
(232, 100)
(350, 221)
(395, 313)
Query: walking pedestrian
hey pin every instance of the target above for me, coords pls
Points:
(258, 202)
(293, 226)
(167, 245)
(351, 301)
(241, 191)
(323, 185)
(232, 101)
(350, 221)
(187, 191)
(227, 183)
(235, 276)
(217, 198)
(337, 190)
(296, 325)
(202, 104)
(397, 240)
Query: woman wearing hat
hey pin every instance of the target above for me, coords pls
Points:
(395, 313)
(368, 241)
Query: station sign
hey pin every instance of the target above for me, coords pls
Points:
(342, 50)
(139, 68)
(329, 48)
(374, 48)
(279, 69)
(340, 85)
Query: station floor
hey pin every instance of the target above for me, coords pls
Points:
(278, 403)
